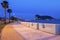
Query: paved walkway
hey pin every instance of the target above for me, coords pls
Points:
(9, 33)
(20, 32)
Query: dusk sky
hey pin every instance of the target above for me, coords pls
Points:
(27, 9)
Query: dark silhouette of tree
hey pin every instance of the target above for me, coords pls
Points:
(0, 18)
(9, 11)
(37, 17)
(16, 19)
(13, 18)
(5, 6)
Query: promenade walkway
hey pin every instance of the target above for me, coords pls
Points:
(21, 32)
(8, 33)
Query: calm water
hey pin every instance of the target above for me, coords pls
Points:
(46, 21)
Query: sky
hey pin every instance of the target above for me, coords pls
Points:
(27, 9)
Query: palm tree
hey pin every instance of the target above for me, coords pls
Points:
(9, 11)
(5, 6)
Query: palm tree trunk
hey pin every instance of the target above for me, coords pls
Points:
(9, 17)
(5, 16)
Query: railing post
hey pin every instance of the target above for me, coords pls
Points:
(37, 25)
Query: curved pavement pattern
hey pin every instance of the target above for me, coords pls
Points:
(20, 32)
(8, 33)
